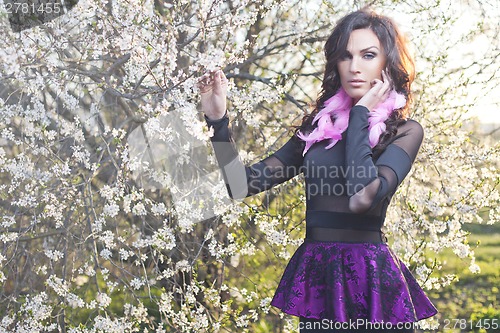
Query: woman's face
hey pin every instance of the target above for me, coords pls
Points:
(363, 61)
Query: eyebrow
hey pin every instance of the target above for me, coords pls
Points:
(366, 49)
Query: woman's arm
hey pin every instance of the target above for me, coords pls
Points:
(243, 181)
(368, 182)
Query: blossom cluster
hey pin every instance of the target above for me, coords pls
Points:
(114, 217)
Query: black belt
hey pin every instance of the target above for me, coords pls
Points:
(345, 235)
(339, 220)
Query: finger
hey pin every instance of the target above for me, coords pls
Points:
(213, 73)
(220, 82)
(223, 76)
(216, 81)
(386, 77)
(209, 75)
(386, 85)
(205, 82)
(204, 88)
(377, 87)
(202, 82)
(387, 80)
(376, 83)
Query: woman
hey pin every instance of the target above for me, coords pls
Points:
(354, 149)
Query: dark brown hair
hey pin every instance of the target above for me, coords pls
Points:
(399, 66)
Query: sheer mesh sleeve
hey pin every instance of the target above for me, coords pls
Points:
(369, 183)
(243, 181)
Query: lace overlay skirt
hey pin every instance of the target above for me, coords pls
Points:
(344, 281)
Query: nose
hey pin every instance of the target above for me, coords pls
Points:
(354, 65)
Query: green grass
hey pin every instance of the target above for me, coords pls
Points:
(474, 300)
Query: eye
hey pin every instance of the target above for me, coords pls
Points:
(369, 55)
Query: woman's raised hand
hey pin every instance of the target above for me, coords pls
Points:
(378, 93)
(213, 89)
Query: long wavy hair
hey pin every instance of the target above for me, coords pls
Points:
(400, 67)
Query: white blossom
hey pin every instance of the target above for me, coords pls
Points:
(139, 209)
(103, 299)
(137, 283)
(106, 254)
(54, 255)
(111, 210)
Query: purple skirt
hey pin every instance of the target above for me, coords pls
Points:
(344, 281)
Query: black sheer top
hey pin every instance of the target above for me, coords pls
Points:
(345, 179)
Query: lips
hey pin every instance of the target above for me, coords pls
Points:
(356, 82)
